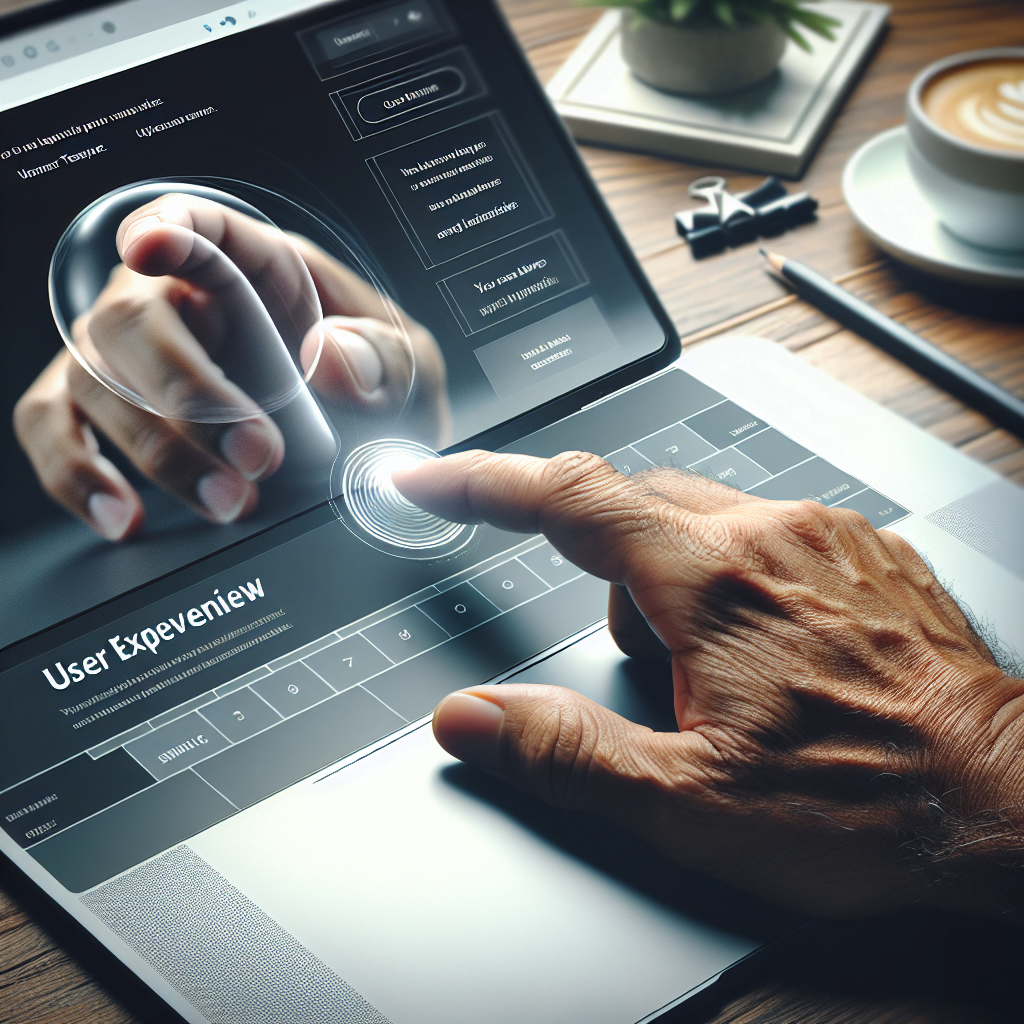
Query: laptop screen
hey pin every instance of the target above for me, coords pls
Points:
(401, 152)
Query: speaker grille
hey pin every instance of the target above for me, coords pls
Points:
(228, 958)
(990, 521)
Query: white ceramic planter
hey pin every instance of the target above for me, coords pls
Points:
(700, 61)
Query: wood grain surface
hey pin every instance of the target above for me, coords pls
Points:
(901, 969)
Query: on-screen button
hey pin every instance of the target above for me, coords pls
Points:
(433, 87)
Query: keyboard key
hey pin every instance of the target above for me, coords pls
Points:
(675, 446)
(817, 480)
(725, 424)
(876, 508)
(774, 451)
(628, 461)
(68, 793)
(132, 831)
(414, 689)
(405, 635)
(731, 468)
(509, 584)
(609, 425)
(173, 748)
(459, 609)
(240, 715)
(348, 662)
(292, 689)
(250, 771)
(550, 566)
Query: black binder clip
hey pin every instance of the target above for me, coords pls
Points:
(731, 220)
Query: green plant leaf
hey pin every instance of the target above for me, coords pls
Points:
(787, 14)
(797, 38)
(679, 10)
(723, 11)
(820, 23)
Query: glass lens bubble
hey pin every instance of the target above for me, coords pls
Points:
(248, 306)
(192, 322)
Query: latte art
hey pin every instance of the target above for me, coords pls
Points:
(981, 103)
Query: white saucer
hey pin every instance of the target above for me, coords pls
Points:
(885, 202)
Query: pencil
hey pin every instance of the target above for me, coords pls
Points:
(931, 362)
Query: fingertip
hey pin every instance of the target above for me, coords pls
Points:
(412, 478)
(133, 232)
(359, 356)
(346, 365)
(115, 517)
(153, 247)
(468, 726)
(255, 448)
(225, 496)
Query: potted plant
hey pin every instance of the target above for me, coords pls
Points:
(711, 47)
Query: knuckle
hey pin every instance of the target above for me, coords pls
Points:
(63, 477)
(124, 311)
(575, 472)
(28, 412)
(808, 522)
(155, 450)
(81, 384)
(183, 393)
(903, 551)
(850, 520)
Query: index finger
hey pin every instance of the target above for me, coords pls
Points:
(593, 514)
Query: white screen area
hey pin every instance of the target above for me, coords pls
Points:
(61, 54)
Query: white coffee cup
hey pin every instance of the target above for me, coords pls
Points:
(976, 191)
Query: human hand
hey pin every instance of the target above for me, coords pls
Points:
(846, 741)
(159, 321)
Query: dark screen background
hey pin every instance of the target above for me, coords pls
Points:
(275, 126)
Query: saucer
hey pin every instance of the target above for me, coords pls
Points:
(886, 203)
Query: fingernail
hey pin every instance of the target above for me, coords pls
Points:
(223, 494)
(137, 230)
(249, 447)
(468, 727)
(361, 358)
(110, 515)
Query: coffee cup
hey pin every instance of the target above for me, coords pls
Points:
(965, 144)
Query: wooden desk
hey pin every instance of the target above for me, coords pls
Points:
(928, 969)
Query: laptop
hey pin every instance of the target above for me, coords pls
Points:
(215, 751)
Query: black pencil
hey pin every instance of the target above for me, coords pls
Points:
(931, 362)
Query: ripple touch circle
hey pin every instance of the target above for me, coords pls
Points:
(380, 509)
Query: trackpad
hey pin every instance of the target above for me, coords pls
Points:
(638, 690)
(440, 894)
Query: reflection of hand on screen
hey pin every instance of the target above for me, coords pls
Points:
(161, 320)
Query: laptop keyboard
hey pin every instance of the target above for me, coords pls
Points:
(326, 701)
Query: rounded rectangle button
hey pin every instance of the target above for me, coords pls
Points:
(432, 87)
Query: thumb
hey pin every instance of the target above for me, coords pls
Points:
(570, 752)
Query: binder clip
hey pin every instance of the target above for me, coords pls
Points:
(731, 220)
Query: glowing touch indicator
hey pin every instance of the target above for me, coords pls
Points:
(377, 507)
